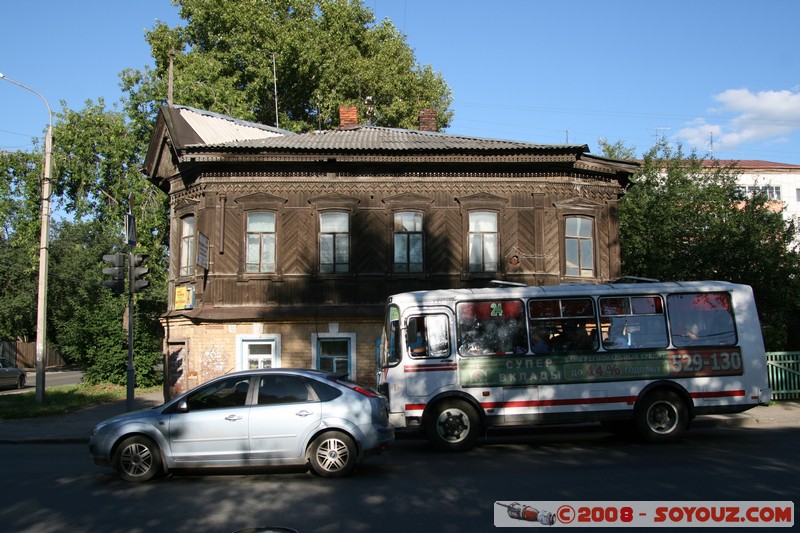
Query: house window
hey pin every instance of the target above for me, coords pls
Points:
(579, 247)
(334, 352)
(260, 355)
(482, 241)
(255, 352)
(187, 246)
(772, 192)
(334, 242)
(408, 242)
(260, 242)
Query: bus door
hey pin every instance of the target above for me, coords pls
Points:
(494, 355)
(429, 364)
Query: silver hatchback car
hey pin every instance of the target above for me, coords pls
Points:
(11, 375)
(250, 419)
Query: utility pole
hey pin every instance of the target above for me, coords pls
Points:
(44, 248)
(275, 87)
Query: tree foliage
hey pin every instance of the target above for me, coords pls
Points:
(683, 219)
(19, 243)
(326, 53)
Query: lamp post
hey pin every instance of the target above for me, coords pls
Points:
(44, 245)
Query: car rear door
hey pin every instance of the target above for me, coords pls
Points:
(8, 375)
(285, 412)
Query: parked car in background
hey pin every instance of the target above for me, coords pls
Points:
(250, 419)
(11, 375)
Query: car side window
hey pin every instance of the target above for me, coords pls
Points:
(324, 392)
(225, 393)
(279, 389)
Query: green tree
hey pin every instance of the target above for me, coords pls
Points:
(686, 219)
(20, 174)
(327, 53)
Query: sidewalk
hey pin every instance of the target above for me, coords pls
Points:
(73, 427)
(76, 426)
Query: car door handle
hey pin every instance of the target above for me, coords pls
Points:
(233, 418)
(303, 413)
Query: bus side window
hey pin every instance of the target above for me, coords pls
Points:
(428, 336)
(630, 322)
(701, 319)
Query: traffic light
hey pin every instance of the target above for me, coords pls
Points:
(116, 271)
(138, 271)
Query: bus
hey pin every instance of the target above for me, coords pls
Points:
(642, 358)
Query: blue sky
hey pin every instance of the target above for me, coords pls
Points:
(721, 74)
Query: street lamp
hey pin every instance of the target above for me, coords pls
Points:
(44, 240)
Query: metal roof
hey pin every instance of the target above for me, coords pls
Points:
(215, 129)
(378, 139)
(750, 164)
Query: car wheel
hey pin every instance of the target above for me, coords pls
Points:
(452, 426)
(21, 382)
(662, 417)
(333, 454)
(137, 459)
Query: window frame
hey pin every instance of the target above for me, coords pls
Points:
(317, 339)
(580, 240)
(320, 233)
(248, 233)
(419, 326)
(243, 342)
(420, 266)
(483, 264)
(187, 260)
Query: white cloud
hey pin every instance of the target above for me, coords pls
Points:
(762, 116)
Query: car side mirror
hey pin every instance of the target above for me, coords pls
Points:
(183, 407)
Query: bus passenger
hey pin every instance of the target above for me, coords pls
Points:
(540, 341)
(419, 344)
(616, 338)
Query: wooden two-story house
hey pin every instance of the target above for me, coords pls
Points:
(284, 247)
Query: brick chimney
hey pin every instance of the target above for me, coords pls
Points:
(427, 120)
(348, 116)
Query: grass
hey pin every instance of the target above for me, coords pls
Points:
(59, 400)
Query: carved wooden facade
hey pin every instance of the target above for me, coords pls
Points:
(301, 238)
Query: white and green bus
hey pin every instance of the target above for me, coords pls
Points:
(638, 357)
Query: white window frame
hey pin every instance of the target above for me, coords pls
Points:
(244, 341)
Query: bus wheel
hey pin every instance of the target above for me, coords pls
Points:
(662, 417)
(452, 426)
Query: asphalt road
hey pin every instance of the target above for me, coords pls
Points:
(52, 378)
(410, 488)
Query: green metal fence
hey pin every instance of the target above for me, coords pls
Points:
(783, 369)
